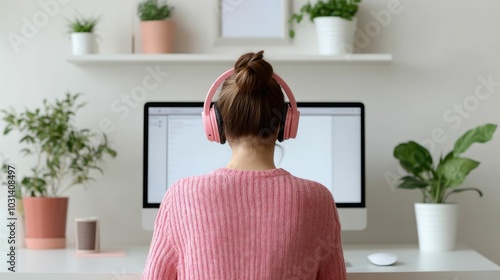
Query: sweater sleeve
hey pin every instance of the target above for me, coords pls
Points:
(162, 258)
(331, 252)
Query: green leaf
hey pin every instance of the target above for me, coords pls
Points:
(111, 152)
(26, 151)
(480, 134)
(447, 157)
(461, 190)
(455, 170)
(7, 130)
(413, 157)
(28, 139)
(409, 182)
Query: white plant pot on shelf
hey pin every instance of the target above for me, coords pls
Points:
(335, 35)
(436, 226)
(83, 43)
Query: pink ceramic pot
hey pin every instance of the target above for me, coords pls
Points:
(158, 36)
(45, 222)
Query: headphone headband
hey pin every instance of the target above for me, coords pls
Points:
(228, 73)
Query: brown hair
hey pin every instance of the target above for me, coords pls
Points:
(251, 101)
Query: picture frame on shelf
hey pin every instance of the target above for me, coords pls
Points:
(240, 22)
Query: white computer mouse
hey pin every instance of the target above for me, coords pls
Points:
(383, 259)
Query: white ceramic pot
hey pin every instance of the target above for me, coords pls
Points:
(436, 226)
(335, 35)
(83, 43)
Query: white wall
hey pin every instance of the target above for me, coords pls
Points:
(441, 50)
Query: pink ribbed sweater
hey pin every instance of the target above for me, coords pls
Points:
(233, 224)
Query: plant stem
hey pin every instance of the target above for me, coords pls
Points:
(62, 173)
(424, 195)
(437, 195)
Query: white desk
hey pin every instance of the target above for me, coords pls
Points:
(460, 264)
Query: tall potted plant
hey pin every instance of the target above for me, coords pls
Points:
(157, 30)
(64, 156)
(335, 23)
(83, 38)
(436, 218)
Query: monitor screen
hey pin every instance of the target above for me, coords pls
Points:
(329, 148)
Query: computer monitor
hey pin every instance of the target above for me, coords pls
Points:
(329, 148)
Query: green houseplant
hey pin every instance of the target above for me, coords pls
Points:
(437, 181)
(335, 22)
(82, 24)
(157, 30)
(82, 34)
(153, 10)
(64, 156)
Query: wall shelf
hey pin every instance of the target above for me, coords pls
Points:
(185, 58)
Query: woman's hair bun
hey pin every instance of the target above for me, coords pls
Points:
(252, 72)
(249, 100)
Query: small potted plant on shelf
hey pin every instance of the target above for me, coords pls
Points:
(436, 218)
(157, 30)
(64, 157)
(335, 23)
(83, 38)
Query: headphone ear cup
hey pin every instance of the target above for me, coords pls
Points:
(292, 120)
(220, 125)
(211, 129)
(283, 124)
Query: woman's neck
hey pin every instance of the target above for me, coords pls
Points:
(250, 156)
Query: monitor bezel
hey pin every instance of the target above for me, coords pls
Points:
(146, 204)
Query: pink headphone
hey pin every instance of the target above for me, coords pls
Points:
(212, 119)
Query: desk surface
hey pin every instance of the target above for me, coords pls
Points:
(410, 259)
(64, 264)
